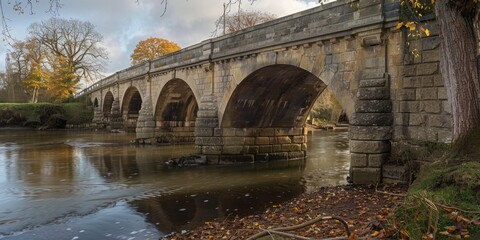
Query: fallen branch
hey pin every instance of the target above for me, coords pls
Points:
(305, 224)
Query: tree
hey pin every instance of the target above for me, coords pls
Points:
(242, 19)
(151, 48)
(459, 28)
(73, 53)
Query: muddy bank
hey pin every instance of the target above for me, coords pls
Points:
(363, 207)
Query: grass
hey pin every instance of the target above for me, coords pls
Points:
(440, 192)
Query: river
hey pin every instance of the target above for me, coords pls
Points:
(94, 185)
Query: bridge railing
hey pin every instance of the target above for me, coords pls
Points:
(337, 19)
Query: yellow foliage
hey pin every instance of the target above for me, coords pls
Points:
(151, 48)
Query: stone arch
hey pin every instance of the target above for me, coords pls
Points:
(276, 96)
(107, 104)
(131, 105)
(176, 110)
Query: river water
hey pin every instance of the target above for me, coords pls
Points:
(92, 185)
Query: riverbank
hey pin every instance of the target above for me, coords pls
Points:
(44, 115)
(365, 208)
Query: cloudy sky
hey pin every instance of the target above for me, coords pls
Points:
(123, 23)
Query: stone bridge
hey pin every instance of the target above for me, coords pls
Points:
(245, 96)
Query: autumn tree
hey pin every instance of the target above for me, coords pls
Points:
(458, 21)
(242, 19)
(73, 53)
(151, 48)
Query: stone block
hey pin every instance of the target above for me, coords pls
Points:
(284, 140)
(416, 119)
(409, 106)
(438, 80)
(381, 82)
(246, 132)
(373, 106)
(233, 141)
(207, 122)
(251, 149)
(359, 146)
(296, 155)
(266, 132)
(276, 148)
(431, 56)
(210, 141)
(377, 160)
(228, 132)
(278, 156)
(370, 132)
(366, 175)
(291, 147)
(232, 149)
(298, 139)
(437, 120)
(432, 106)
(266, 149)
(273, 140)
(218, 132)
(427, 81)
(373, 74)
(373, 93)
(207, 114)
(447, 107)
(358, 160)
(427, 69)
(442, 93)
(393, 172)
(203, 132)
(407, 94)
(262, 140)
(427, 93)
(409, 70)
(288, 131)
(430, 43)
(371, 119)
(211, 149)
(249, 140)
(377, 62)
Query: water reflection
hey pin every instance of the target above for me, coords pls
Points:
(54, 181)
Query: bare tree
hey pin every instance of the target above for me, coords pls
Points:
(74, 41)
(242, 19)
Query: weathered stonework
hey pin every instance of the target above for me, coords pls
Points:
(245, 96)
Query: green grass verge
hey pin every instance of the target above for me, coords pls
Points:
(39, 114)
(438, 187)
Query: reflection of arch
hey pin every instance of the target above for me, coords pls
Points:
(107, 104)
(176, 105)
(273, 96)
(95, 103)
(131, 105)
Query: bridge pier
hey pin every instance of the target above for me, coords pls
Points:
(145, 123)
(98, 117)
(115, 121)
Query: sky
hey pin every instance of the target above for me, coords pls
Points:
(123, 23)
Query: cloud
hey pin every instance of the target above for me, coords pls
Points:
(124, 23)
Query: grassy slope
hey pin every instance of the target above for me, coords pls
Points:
(74, 113)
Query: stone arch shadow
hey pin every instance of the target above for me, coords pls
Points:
(175, 112)
(279, 95)
(130, 108)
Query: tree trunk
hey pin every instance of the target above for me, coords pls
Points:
(460, 70)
